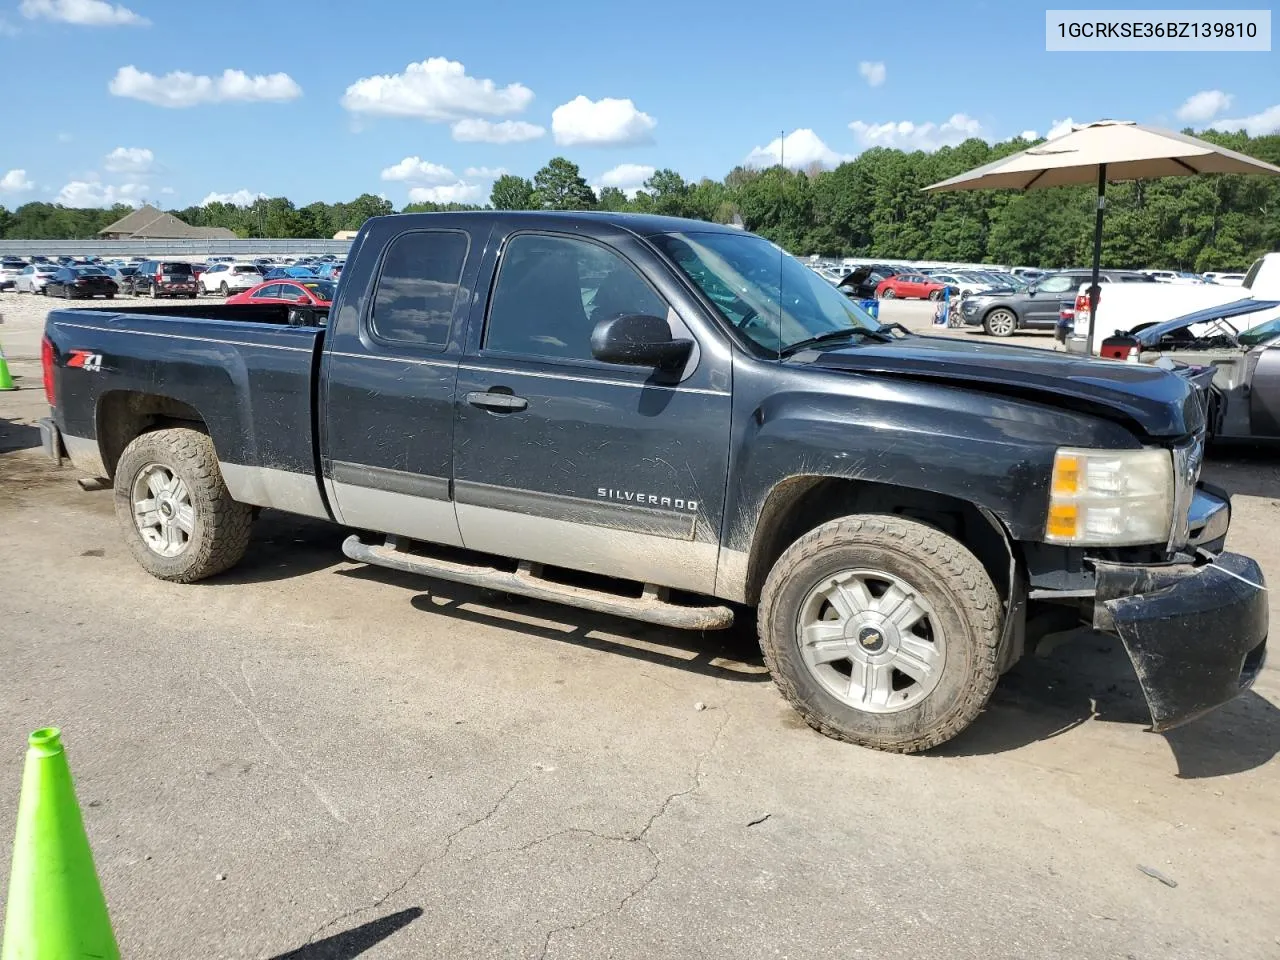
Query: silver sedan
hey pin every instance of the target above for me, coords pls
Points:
(33, 278)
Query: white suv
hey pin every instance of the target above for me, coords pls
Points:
(228, 278)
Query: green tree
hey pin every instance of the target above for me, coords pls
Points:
(669, 192)
(559, 186)
(611, 198)
(512, 193)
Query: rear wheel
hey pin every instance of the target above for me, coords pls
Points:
(174, 508)
(224, 289)
(882, 631)
(155, 292)
(1001, 323)
(935, 294)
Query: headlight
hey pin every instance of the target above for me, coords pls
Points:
(1110, 497)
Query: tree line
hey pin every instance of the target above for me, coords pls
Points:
(870, 206)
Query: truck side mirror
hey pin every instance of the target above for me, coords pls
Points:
(638, 340)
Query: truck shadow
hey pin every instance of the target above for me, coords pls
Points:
(17, 436)
(732, 654)
(283, 546)
(1089, 677)
(351, 943)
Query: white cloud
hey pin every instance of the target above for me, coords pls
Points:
(1060, 128)
(182, 89)
(85, 13)
(486, 173)
(1204, 105)
(873, 72)
(15, 181)
(800, 148)
(436, 89)
(1258, 125)
(1029, 135)
(627, 177)
(417, 170)
(905, 135)
(129, 160)
(601, 123)
(91, 193)
(475, 130)
(460, 192)
(168, 191)
(240, 198)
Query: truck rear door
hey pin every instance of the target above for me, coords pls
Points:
(388, 382)
(565, 460)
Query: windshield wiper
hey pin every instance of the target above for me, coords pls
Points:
(880, 335)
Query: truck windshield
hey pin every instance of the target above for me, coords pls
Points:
(770, 297)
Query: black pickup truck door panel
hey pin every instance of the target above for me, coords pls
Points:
(389, 384)
(564, 460)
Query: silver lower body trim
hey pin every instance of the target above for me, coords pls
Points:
(683, 564)
(386, 511)
(84, 455)
(279, 489)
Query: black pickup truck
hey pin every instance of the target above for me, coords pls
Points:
(676, 422)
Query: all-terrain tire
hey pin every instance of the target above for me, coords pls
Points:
(946, 574)
(221, 528)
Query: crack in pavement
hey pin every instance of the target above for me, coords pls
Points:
(699, 774)
(422, 865)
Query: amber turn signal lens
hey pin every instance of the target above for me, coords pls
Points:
(1063, 518)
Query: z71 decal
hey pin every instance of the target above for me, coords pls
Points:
(85, 360)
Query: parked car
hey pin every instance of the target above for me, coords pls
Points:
(1028, 274)
(164, 278)
(1239, 357)
(77, 282)
(121, 275)
(289, 273)
(33, 277)
(967, 283)
(330, 271)
(910, 286)
(309, 292)
(228, 278)
(891, 504)
(1037, 306)
(1225, 279)
(10, 270)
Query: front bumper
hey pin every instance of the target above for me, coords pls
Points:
(1196, 632)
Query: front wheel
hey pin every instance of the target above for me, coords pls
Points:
(882, 631)
(935, 294)
(887, 294)
(174, 508)
(1001, 323)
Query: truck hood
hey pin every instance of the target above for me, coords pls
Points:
(1159, 403)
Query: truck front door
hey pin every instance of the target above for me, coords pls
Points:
(565, 460)
(390, 365)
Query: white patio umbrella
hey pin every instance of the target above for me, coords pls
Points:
(1105, 150)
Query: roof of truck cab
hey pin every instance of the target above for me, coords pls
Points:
(641, 224)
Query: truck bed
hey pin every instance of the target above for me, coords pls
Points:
(244, 371)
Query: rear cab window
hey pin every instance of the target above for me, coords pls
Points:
(417, 288)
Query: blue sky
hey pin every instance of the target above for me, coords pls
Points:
(173, 102)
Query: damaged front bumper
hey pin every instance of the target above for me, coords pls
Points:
(1195, 631)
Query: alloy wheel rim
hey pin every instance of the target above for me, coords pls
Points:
(871, 640)
(162, 510)
(1001, 323)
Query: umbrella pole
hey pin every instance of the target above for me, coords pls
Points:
(1094, 289)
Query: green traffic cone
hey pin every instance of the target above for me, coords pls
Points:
(55, 907)
(6, 380)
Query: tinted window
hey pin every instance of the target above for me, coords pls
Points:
(240, 269)
(271, 290)
(176, 268)
(417, 288)
(552, 291)
(1058, 284)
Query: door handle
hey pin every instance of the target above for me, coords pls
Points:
(497, 402)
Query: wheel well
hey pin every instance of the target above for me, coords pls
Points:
(124, 415)
(799, 504)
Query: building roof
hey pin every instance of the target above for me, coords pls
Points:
(149, 223)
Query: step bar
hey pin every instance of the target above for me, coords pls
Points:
(653, 606)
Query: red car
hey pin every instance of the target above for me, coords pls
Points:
(304, 292)
(910, 285)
